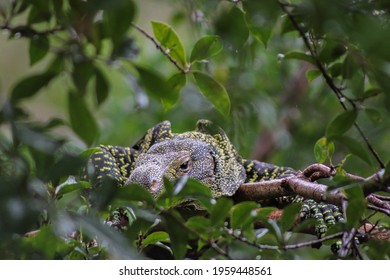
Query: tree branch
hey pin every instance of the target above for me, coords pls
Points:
(347, 240)
(303, 184)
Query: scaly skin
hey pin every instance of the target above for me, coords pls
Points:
(205, 154)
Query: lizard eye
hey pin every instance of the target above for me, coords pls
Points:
(185, 166)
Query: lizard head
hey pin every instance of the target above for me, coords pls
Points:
(173, 159)
(205, 154)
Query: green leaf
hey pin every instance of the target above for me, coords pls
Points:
(300, 56)
(333, 229)
(199, 224)
(213, 91)
(331, 51)
(194, 189)
(169, 39)
(312, 74)
(38, 49)
(54, 122)
(117, 19)
(382, 79)
(242, 214)
(56, 65)
(232, 28)
(355, 147)
(289, 216)
(155, 238)
(331, 149)
(336, 69)
(135, 192)
(102, 86)
(39, 12)
(341, 123)
(175, 83)
(320, 150)
(287, 25)
(36, 139)
(356, 83)
(323, 150)
(156, 86)
(264, 212)
(349, 66)
(372, 92)
(68, 188)
(261, 17)
(81, 119)
(220, 211)
(45, 243)
(82, 73)
(373, 115)
(29, 86)
(201, 227)
(356, 205)
(20, 7)
(142, 224)
(206, 47)
(114, 242)
(178, 236)
(89, 152)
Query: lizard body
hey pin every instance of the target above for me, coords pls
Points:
(205, 154)
(161, 149)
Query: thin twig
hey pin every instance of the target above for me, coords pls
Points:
(313, 242)
(340, 96)
(284, 247)
(362, 99)
(27, 31)
(356, 251)
(378, 202)
(379, 209)
(347, 241)
(161, 49)
(382, 197)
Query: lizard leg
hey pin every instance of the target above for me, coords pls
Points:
(324, 214)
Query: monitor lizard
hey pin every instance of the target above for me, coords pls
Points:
(205, 154)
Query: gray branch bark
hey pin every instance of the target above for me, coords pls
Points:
(303, 184)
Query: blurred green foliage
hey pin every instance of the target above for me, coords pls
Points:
(274, 74)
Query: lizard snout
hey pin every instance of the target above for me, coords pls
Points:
(149, 176)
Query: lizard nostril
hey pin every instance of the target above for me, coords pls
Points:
(153, 185)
